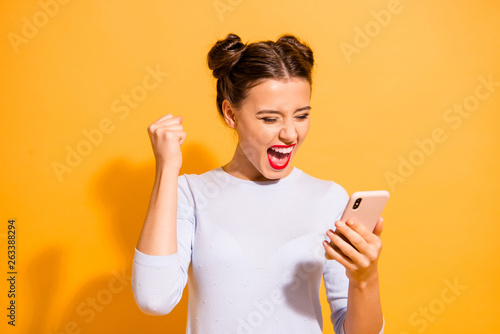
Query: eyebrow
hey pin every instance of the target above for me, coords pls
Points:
(279, 112)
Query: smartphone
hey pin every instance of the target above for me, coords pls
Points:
(365, 207)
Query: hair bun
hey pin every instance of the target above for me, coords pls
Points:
(225, 54)
(300, 46)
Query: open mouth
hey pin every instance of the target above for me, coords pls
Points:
(279, 155)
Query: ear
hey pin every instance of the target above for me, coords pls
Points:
(229, 114)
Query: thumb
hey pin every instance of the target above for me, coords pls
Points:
(379, 227)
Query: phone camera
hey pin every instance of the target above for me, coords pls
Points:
(356, 204)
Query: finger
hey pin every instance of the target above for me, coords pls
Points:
(333, 254)
(164, 117)
(169, 120)
(360, 229)
(173, 127)
(344, 247)
(167, 124)
(370, 247)
(164, 132)
(379, 227)
(182, 137)
(327, 256)
(332, 245)
(179, 135)
(351, 230)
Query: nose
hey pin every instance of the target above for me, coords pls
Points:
(288, 133)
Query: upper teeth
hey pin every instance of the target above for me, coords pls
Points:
(283, 150)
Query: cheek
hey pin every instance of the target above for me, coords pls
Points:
(304, 130)
(252, 131)
(263, 136)
(256, 146)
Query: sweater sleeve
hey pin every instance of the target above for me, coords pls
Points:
(158, 281)
(334, 273)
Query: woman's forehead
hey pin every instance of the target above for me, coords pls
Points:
(276, 95)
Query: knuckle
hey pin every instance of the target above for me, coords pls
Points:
(377, 243)
(374, 254)
(170, 135)
(342, 228)
(364, 263)
(357, 239)
(158, 131)
(372, 257)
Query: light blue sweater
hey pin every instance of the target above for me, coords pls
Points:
(252, 253)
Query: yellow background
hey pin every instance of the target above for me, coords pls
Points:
(77, 233)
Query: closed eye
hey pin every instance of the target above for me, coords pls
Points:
(272, 120)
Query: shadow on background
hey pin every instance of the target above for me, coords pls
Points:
(43, 275)
(106, 304)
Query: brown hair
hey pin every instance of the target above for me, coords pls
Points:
(238, 67)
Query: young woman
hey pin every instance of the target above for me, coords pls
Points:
(251, 236)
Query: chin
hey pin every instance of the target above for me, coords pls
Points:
(275, 173)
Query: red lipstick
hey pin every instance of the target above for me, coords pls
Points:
(279, 160)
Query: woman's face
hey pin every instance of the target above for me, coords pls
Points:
(272, 123)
